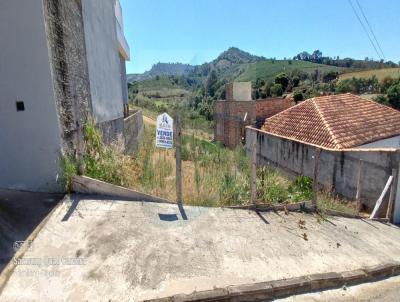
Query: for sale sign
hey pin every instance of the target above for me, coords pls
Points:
(165, 131)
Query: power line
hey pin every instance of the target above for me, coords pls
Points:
(364, 28)
(370, 28)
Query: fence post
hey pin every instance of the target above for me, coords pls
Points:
(393, 191)
(315, 179)
(358, 195)
(178, 157)
(254, 171)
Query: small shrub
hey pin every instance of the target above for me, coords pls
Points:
(106, 162)
(275, 194)
(301, 189)
(271, 187)
(69, 168)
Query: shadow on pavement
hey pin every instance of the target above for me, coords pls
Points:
(20, 213)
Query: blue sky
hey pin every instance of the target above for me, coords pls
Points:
(197, 31)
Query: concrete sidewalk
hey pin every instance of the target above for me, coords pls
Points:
(101, 250)
(20, 213)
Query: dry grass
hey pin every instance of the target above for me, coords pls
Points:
(205, 167)
(379, 73)
(329, 201)
(212, 175)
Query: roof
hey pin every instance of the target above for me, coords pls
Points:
(336, 121)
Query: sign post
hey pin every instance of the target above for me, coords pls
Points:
(165, 139)
(178, 156)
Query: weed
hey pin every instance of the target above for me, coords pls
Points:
(69, 168)
(301, 189)
(327, 200)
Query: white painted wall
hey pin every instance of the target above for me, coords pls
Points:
(103, 59)
(392, 142)
(29, 140)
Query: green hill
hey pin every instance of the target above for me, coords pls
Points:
(267, 70)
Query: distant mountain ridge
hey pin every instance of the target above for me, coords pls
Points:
(235, 55)
(232, 56)
(161, 69)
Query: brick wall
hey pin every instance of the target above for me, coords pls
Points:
(229, 121)
(268, 107)
(229, 92)
(228, 116)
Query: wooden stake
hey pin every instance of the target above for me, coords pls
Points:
(178, 156)
(254, 171)
(380, 199)
(393, 191)
(315, 178)
(358, 195)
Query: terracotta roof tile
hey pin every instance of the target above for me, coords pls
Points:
(336, 121)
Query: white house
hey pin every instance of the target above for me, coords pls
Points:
(61, 61)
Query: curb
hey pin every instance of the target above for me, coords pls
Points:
(291, 207)
(87, 185)
(267, 291)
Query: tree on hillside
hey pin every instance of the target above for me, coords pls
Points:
(259, 83)
(386, 83)
(393, 95)
(276, 90)
(211, 82)
(330, 76)
(304, 56)
(295, 81)
(316, 56)
(298, 96)
(206, 108)
(283, 80)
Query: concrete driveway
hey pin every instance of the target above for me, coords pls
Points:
(110, 250)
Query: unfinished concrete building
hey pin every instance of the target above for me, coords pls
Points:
(61, 62)
(232, 115)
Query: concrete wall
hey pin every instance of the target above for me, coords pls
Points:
(66, 43)
(103, 59)
(133, 131)
(238, 91)
(338, 169)
(29, 140)
(392, 142)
